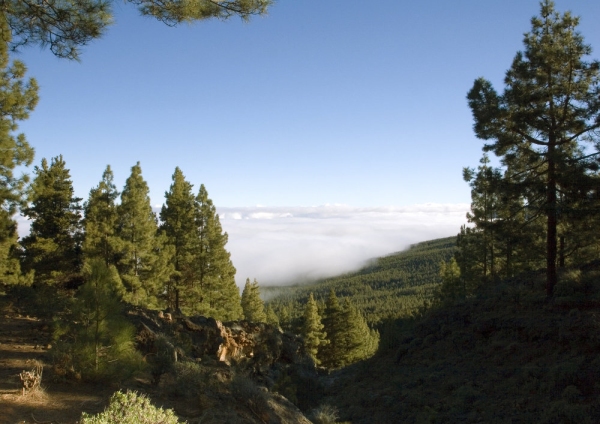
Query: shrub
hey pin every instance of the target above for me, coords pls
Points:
(324, 414)
(190, 379)
(284, 385)
(254, 397)
(131, 408)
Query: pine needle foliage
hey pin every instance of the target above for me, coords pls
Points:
(332, 354)
(349, 338)
(216, 292)
(66, 25)
(252, 304)
(178, 224)
(453, 286)
(312, 330)
(272, 318)
(100, 221)
(359, 341)
(18, 97)
(53, 247)
(140, 264)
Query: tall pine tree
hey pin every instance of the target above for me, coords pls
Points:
(312, 330)
(332, 354)
(549, 108)
(217, 293)
(53, 247)
(178, 224)
(140, 264)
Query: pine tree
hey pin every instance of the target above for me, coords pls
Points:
(217, 294)
(333, 354)
(359, 341)
(53, 247)
(272, 318)
(17, 98)
(98, 338)
(312, 330)
(252, 304)
(140, 246)
(64, 26)
(550, 106)
(453, 287)
(485, 203)
(100, 221)
(178, 223)
(285, 316)
(348, 335)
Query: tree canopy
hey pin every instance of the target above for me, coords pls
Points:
(252, 305)
(53, 247)
(18, 98)
(66, 25)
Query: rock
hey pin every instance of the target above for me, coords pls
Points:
(227, 342)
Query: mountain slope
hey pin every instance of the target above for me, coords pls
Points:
(390, 287)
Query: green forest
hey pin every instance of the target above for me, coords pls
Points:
(391, 287)
(496, 323)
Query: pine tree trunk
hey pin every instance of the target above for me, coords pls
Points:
(551, 246)
(508, 259)
(492, 259)
(561, 256)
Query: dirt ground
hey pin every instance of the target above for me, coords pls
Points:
(23, 341)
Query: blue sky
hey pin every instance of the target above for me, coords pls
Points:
(325, 102)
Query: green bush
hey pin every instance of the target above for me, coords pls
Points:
(131, 408)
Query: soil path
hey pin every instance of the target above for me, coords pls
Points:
(24, 342)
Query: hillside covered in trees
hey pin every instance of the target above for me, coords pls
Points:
(389, 287)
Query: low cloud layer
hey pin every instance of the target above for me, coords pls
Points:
(282, 245)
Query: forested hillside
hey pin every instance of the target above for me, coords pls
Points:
(390, 287)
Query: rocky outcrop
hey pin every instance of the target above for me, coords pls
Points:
(219, 372)
(229, 342)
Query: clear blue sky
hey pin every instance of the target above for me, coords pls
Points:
(320, 102)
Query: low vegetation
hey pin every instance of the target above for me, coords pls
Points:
(505, 354)
(131, 408)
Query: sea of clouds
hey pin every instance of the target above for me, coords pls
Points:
(284, 245)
